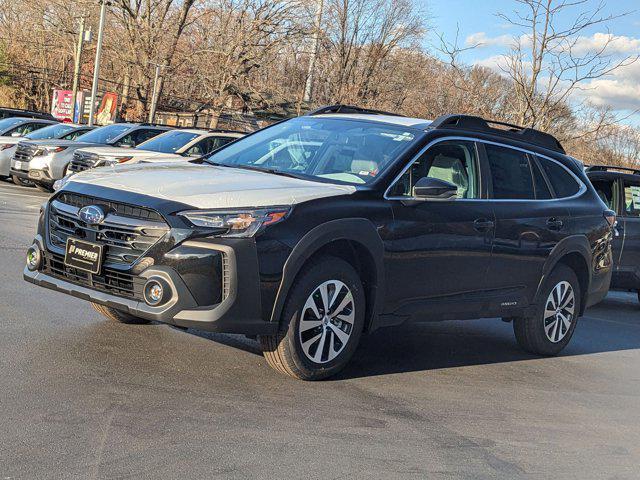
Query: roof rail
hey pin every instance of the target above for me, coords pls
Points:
(607, 168)
(339, 108)
(470, 122)
(222, 130)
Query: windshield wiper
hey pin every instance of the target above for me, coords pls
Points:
(266, 170)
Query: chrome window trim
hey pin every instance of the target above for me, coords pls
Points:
(581, 190)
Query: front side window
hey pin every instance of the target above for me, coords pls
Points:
(564, 185)
(168, 142)
(452, 161)
(322, 148)
(511, 173)
(26, 128)
(103, 135)
(632, 200)
(52, 131)
(208, 145)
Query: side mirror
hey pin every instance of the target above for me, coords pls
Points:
(434, 189)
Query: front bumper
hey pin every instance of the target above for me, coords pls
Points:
(239, 305)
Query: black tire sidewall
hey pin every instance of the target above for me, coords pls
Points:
(328, 268)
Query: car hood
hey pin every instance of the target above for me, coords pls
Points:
(52, 142)
(207, 186)
(116, 151)
(8, 140)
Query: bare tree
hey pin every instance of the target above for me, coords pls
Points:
(547, 65)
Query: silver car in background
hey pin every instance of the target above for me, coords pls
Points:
(8, 145)
(45, 161)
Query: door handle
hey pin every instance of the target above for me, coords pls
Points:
(483, 224)
(554, 223)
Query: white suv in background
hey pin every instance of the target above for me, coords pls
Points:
(173, 145)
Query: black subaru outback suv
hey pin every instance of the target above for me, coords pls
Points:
(619, 189)
(315, 230)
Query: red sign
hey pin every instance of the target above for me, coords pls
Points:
(62, 104)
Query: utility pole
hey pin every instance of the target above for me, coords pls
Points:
(308, 88)
(76, 70)
(96, 66)
(154, 97)
(156, 93)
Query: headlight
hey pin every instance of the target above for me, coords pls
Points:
(239, 223)
(115, 160)
(58, 184)
(48, 150)
(4, 146)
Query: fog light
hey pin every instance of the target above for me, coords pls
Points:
(34, 258)
(156, 291)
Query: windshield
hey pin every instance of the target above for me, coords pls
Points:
(169, 142)
(103, 135)
(7, 123)
(344, 150)
(52, 131)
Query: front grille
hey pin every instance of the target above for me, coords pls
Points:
(83, 161)
(125, 236)
(24, 153)
(109, 281)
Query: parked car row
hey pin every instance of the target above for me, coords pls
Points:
(40, 152)
(313, 231)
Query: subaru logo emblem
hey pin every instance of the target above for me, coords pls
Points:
(91, 215)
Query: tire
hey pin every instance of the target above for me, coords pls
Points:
(546, 333)
(43, 188)
(21, 182)
(118, 316)
(296, 350)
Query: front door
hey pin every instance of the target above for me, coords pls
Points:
(440, 250)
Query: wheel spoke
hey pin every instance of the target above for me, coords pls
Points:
(348, 298)
(311, 305)
(318, 355)
(565, 321)
(306, 325)
(307, 344)
(549, 326)
(343, 337)
(338, 288)
(324, 294)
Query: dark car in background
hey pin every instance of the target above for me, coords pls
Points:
(312, 231)
(7, 112)
(619, 189)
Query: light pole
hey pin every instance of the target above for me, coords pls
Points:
(76, 70)
(96, 66)
(308, 88)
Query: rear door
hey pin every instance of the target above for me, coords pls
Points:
(629, 262)
(529, 223)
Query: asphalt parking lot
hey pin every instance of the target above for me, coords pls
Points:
(82, 397)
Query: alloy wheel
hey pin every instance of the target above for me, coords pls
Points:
(326, 321)
(559, 311)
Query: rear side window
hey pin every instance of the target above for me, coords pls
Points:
(564, 185)
(511, 174)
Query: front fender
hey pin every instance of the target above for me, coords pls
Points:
(358, 230)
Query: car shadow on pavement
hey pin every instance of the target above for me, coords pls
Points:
(612, 325)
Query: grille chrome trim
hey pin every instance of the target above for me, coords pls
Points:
(125, 239)
(83, 161)
(24, 152)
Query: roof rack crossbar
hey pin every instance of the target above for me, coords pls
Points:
(470, 122)
(607, 168)
(339, 108)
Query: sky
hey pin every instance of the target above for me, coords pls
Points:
(478, 23)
